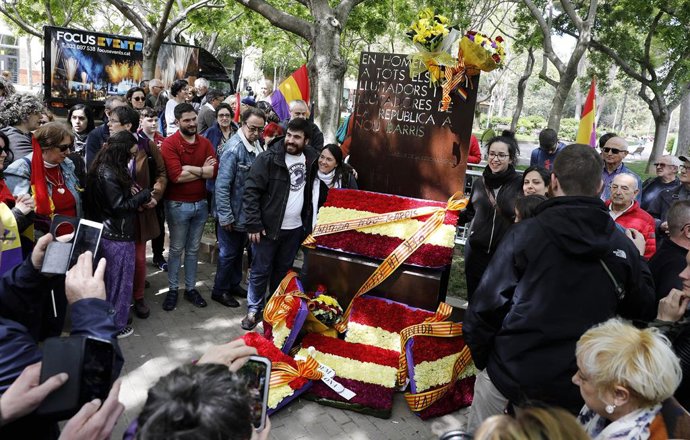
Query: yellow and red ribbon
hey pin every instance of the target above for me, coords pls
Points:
(283, 373)
(282, 302)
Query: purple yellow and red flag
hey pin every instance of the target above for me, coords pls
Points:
(587, 131)
(296, 86)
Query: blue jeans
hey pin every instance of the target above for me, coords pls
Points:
(271, 259)
(230, 251)
(186, 225)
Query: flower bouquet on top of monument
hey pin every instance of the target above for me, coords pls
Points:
(374, 225)
(433, 36)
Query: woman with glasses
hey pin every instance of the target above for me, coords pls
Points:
(114, 198)
(136, 97)
(223, 129)
(491, 209)
(48, 174)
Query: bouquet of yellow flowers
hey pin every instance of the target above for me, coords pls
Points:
(433, 35)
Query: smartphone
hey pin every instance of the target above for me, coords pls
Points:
(87, 238)
(257, 373)
(89, 363)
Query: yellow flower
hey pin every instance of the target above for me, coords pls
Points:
(439, 29)
(442, 19)
(426, 13)
(278, 394)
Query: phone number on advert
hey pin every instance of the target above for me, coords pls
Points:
(82, 47)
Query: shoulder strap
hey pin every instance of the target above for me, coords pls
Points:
(620, 290)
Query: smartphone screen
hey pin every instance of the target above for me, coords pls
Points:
(256, 374)
(97, 370)
(87, 239)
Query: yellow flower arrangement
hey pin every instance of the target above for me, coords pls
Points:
(376, 336)
(356, 370)
(429, 29)
(278, 394)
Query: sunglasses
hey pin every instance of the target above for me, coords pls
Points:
(64, 147)
(138, 98)
(613, 150)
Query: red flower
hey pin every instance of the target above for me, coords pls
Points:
(266, 348)
(368, 311)
(425, 348)
(457, 397)
(360, 352)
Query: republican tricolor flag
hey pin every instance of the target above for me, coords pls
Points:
(296, 86)
(587, 131)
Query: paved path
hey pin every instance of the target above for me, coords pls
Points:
(168, 339)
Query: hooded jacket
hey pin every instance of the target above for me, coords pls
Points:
(544, 287)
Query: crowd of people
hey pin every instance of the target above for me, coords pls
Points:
(556, 257)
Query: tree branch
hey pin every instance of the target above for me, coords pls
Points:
(570, 10)
(546, 31)
(49, 13)
(138, 22)
(20, 22)
(181, 16)
(627, 68)
(281, 19)
(343, 10)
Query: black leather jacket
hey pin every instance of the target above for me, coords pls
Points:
(111, 203)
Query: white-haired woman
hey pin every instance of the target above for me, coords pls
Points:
(626, 375)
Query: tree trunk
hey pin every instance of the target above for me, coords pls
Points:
(328, 67)
(619, 124)
(662, 119)
(684, 125)
(150, 53)
(29, 70)
(566, 83)
(521, 87)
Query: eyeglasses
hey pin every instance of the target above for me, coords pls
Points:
(64, 147)
(660, 165)
(224, 115)
(500, 156)
(138, 98)
(613, 150)
(254, 129)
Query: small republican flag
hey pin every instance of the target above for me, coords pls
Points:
(296, 86)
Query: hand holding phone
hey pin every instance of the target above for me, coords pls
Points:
(233, 354)
(257, 373)
(26, 393)
(82, 282)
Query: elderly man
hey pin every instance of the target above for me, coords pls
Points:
(666, 178)
(662, 203)
(156, 98)
(300, 109)
(626, 211)
(207, 114)
(613, 153)
(669, 259)
(201, 87)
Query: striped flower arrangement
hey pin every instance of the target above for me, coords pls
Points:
(430, 362)
(366, 325)
(279, 396)
(368, 371)
(379, 241)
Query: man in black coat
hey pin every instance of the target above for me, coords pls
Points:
(277, 205)
(552, 277)
(669, 259)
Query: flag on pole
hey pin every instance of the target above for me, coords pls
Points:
(587, 131)
(296, 86)
(236, 110)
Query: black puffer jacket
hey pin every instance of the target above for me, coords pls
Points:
(111, 203)
(544, 287)
(268, 187)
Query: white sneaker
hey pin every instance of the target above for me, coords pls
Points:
(125, 332)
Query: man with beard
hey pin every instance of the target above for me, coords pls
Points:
(189, 161)
(275, 210)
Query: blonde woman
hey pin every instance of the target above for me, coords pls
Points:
(625, 376)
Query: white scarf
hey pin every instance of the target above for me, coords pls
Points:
(634, 425)
(327, 179)
(252, 148)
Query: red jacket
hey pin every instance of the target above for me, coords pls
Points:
(475, 154)
(637, 218)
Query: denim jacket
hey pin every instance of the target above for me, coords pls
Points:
(232, 173)
(18, 179)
